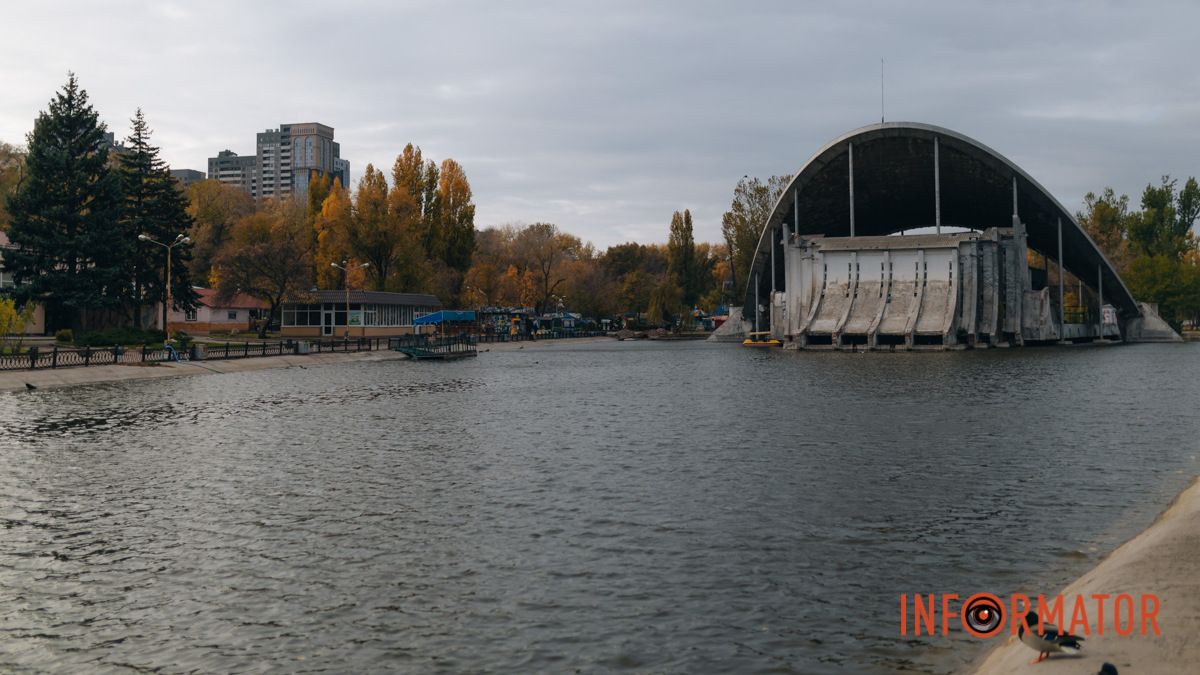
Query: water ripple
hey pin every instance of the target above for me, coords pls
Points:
(638, 507)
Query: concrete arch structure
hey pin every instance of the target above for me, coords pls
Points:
(893, 177)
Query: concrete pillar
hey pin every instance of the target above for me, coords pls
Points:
(771, 238)
(1061, 303)
(937, 188)
(796, 213)
(757, 301)
(850, 151)
(1019, 268)
(1100, 300)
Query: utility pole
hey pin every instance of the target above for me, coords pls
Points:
(181, 239)
(345, 267)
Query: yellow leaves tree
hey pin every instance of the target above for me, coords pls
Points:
(13, 320)
(457, 214)
(214, 207)
(267, 256)
(332, 230)
(382, 232)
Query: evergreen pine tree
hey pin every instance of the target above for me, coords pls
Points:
(153, 205)
(68, 250)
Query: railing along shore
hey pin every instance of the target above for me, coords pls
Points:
(36, 358)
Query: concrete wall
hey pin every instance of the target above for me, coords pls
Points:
(926, 291)
(917, 291)
(1150, 327)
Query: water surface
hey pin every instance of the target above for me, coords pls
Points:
(599, 507)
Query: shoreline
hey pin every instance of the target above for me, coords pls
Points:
(1164, 560)
(54, 378)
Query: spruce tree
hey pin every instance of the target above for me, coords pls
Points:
(68, 250)
(153, 205)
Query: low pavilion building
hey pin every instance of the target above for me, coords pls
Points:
(358, 314)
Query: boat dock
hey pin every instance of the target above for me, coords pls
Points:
(431, 347)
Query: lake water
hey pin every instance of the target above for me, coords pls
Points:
(605, 506)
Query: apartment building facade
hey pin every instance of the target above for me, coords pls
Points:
(285, 159)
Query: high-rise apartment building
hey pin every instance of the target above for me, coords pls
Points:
(233, 169)
(284, 161)
(185, 177)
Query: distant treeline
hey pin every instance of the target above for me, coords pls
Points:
(1153, 248)
(73, 210)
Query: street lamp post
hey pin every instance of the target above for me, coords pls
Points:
(345, 267)
(181, 239)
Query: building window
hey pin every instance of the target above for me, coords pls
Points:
(189, 315)
(232, 315)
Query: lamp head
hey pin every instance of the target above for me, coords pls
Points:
(143, 237)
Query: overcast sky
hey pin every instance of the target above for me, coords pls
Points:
(604, 117)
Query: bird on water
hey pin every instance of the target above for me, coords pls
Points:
(1107, 669)
(30, 387)
(1050, 641)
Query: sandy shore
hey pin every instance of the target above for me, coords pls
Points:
(1163, 560)
(47, 378)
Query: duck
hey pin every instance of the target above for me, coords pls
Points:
(1050, 641)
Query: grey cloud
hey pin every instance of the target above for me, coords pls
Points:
(606, 117)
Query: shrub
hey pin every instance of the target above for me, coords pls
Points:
(119, 336)
(64, 335)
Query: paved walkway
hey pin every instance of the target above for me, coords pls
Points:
(15, 380)
(46, 378)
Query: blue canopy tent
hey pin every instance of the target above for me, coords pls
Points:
(447, 318)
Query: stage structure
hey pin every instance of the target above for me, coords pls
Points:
(908, 236)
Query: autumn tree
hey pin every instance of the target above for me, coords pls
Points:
(12, 171)
(636, 270)
(332, 229)
(743, 223)
(319, 187)
(68, 250)
(267, 256)
(543, 250)
(383, 232)
(713, 261)
(457, 214)
(589, 289)
(681, 258)
(431, 213)
(482, 283)
(374, 235)
(214, 208)
(1105, 217)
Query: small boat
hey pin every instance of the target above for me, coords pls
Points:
(761, 339)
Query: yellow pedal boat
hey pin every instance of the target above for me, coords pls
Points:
(761, 339)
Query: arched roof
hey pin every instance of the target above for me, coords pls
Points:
(894, 191)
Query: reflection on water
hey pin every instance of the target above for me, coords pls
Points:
(613, 506)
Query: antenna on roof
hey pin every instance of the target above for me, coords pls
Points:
(881, 90)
